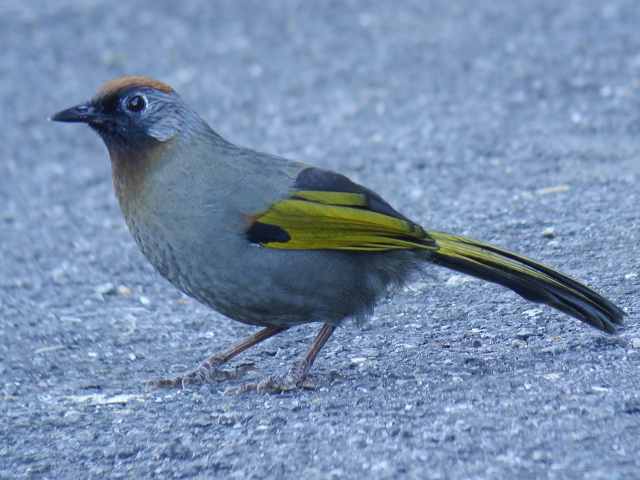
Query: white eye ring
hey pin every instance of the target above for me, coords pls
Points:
(136, 103)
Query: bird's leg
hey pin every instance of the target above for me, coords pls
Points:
(297, 374)
(208, 370)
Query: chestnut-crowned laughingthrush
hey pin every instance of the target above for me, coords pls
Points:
(276, 243)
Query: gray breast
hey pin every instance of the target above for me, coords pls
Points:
(195, 237)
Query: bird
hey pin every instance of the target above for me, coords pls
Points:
(276, 243)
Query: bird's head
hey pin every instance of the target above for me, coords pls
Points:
(131, 112)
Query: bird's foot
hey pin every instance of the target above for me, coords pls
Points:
(295, 379)
(207, 372)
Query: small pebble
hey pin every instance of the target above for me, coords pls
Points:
(606, 91)
(123, 291)
(519, 344)
(635, 343)
(523, 334)
(553, 189)
(538, 455)
(532, 312)
(549, 232)
(456, 280)
(105, 289)
(72, 416)
(144, 300)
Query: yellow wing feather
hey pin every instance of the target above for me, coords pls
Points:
(331, 220)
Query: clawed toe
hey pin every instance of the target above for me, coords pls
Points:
(273, 384)
(201, 375)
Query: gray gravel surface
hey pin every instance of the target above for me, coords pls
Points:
(515, 122)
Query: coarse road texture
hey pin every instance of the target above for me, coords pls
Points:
(515, 122)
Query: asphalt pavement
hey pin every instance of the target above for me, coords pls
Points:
(514, 122)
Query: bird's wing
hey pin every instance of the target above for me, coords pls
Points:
(328, 211)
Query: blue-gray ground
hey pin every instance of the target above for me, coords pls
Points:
(515, 122)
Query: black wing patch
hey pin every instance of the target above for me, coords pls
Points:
(313, 178)
(266, 233)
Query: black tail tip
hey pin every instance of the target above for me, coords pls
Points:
(609, 322)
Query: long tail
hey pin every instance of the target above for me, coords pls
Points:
(527, 278)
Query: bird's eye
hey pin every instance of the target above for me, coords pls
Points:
(136, 103)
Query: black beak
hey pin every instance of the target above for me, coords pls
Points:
(83, 113)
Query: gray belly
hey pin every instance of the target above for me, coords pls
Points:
(263, 286)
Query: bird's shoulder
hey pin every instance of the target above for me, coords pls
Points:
(294, 179)
(314, 179)
(319, 202)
